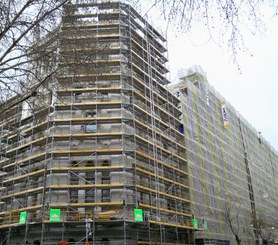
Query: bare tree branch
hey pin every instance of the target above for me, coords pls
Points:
(24, 33)
(20, 29)
(11, 23)
(31, 93)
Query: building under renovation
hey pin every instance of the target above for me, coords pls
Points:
(233, 171)
(107, 153)
(102, 157)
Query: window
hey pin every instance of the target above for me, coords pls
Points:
(105, 96)
(77, 96)
(184, 91)
(105, 163)
(91, 114)
(91, 128)
(105, 195)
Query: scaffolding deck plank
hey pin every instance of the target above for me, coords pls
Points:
(3, 173)
(118, 74)
(161, 148)
(62, 152)
(26, 130)
(89, 103)
(108, 23)
(85, 168)
(92, 49)
(138, 79)
(87, 135)
(74, 90)
(67, 120)
(27, 144)
(158, 107)
(22, 209)
(164, 164)
(157, 51)
(23, 192)
(24, 176)
(37, 156)
(91, 62)
(164, 210)
(9, 225)
(166, 137)
(162, 193)
(91, 36)
(89, 151)
(85, 204)
(158, 119)
(157, 62)
(170, 224)
(163, 178)
(86, 119)
(83, 186)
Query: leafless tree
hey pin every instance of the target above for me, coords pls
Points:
(23, 23)
(226, 22)
(265, 228)
(231, 217)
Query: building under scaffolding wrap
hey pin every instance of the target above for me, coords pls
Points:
(233, 171)
(113, 156)
(103, 158)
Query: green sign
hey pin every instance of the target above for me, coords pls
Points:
(54, 215)
(22, 218)
(138, 215)
(195, 224)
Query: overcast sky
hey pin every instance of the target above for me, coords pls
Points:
(254, 91)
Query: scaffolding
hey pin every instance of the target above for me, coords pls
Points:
(107, 141)
(232, 169)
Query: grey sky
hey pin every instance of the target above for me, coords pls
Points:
(254, 92)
